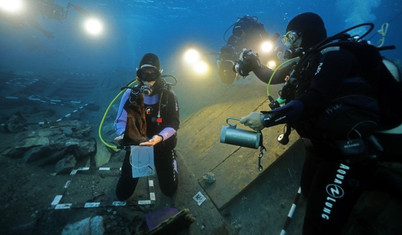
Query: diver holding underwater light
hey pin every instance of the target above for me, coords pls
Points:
(338, 95)
(19, 13)
(247, 32)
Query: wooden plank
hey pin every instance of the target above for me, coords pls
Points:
(234, 167)
(201, 148)
(241, 168)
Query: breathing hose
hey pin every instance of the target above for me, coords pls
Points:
(115, 98)
(107, 111)
(276, 70)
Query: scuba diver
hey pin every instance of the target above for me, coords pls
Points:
(35, 8)
(148, 115)
(338, 96)
(48, 9)
(247, 32)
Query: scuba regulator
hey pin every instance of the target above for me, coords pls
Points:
(144, 89)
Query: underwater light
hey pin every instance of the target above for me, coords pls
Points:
(271, 64)
(191, 56)
(201, 67)
(267, 46)
(93, 26)
(11, 6)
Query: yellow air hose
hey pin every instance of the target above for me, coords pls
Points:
(383, 32)
(105, 114)
(276, 69)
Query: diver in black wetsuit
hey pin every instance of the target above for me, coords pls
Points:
(160, 112)
(34, 8)
(247, 32)
(334, 100)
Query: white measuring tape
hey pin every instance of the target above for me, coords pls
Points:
(38, 98)
(55, 204)
(65, 116)
(60, 119)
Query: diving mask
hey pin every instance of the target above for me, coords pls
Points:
(290, 39)
(148, 73)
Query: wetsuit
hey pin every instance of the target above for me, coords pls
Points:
(247, 33)
(336, 112)
(165, 101)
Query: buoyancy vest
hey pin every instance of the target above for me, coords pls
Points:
(375, 92)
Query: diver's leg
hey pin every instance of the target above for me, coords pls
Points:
(126, 185)
(166, 168)
(309, 169)
(334, 191)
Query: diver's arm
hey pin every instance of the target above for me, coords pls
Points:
(121, 118)
(173, 111)
(39, 27)
(171, 122)
(332, 69)
(264, 74)
(326, 82)
(289, 113)
(167, 132)
(172, 119)
(249, 61)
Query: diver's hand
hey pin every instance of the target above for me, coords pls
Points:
(253, 120)
(120, 137)
(248, 62)
(155, 140)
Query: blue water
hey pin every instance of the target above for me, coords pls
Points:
(166, 27)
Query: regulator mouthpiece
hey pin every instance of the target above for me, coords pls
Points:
(146, 90)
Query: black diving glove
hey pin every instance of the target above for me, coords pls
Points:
(247, 62)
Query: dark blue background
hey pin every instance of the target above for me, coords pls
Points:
(167, 27)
